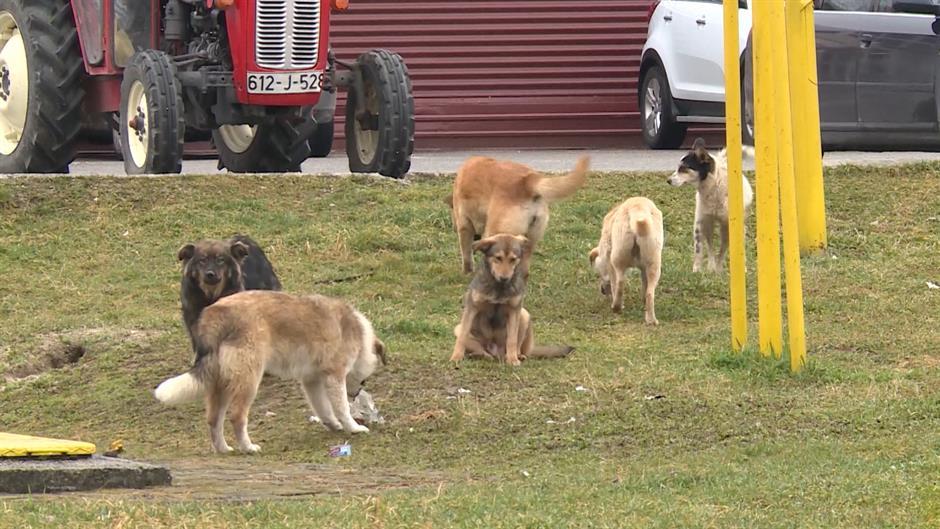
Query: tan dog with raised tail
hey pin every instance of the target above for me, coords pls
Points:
(503, 197)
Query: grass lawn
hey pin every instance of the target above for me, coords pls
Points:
(732, 441)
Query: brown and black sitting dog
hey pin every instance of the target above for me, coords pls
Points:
(494, 323)
(492, 196)
(214, 269)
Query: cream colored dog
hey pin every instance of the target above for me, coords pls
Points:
(632, 237)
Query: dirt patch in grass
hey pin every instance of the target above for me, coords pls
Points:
(62, 349)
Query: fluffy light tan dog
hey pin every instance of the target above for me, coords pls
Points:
(493, 196)
(323, 343)
(632, 237)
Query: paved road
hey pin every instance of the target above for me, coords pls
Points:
(548, 160)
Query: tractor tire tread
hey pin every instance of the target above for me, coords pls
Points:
(162, 87)
(53, 122)
(278, 147)
(396, 122)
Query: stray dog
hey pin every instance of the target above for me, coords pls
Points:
(710, 175)
(323, 343)
(494, 324)
(632, 236)
(492, 196)
(214, 269)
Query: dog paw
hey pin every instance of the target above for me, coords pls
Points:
(224, 449)
(358, 428)
(456, 357)
(250, 448)
(617, 308)
(651, 321)
(514, 361)
(333, 426)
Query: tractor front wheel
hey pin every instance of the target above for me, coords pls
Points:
(152, 117)
(380, 123)
(275, 146)
(40, 86)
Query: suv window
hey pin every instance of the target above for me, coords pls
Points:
(845, 5)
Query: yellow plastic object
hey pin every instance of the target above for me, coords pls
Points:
(13, 445)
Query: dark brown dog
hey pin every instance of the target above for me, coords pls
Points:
(214, 269)
(494, 323)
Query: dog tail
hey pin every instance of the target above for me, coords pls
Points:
(449, 200)
(189, 386)
(560, 187)
(180, 389)
(640, 224)
(544, 352)
(207, 338)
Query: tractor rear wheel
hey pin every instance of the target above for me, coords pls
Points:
(380, 130)
(152, 116)
(275, 146)
(321, 141)
(40, 86)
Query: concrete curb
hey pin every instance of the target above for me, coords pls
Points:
(44, 475)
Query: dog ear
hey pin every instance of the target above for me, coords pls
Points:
(186, 252)
(483, 245)
(593, 255)
(239, 250)
(381, 351)
(698, 147)
(527, 245)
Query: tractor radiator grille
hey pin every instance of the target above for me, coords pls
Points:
(287, 33)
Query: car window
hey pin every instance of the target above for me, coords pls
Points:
(844, 5)
(885, 6)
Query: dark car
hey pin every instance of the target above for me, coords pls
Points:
(878, 68)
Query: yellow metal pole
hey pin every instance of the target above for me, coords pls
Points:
(811, 203)
(738, 283)
(770, 326)
(781, 49)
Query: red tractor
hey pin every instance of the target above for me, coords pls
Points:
(258, 75)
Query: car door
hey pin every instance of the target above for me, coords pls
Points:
(896, 70)
(698, 41)
(837, 57)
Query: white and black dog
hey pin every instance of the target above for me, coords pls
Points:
(710, 176)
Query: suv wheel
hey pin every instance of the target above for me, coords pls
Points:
(660, 128)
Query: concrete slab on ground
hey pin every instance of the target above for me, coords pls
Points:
(41, 475)
(543, 160)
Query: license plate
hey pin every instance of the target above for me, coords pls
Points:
(284, 83)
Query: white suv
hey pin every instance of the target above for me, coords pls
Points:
(682, 78)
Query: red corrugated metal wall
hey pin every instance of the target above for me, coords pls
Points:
(512, 73)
